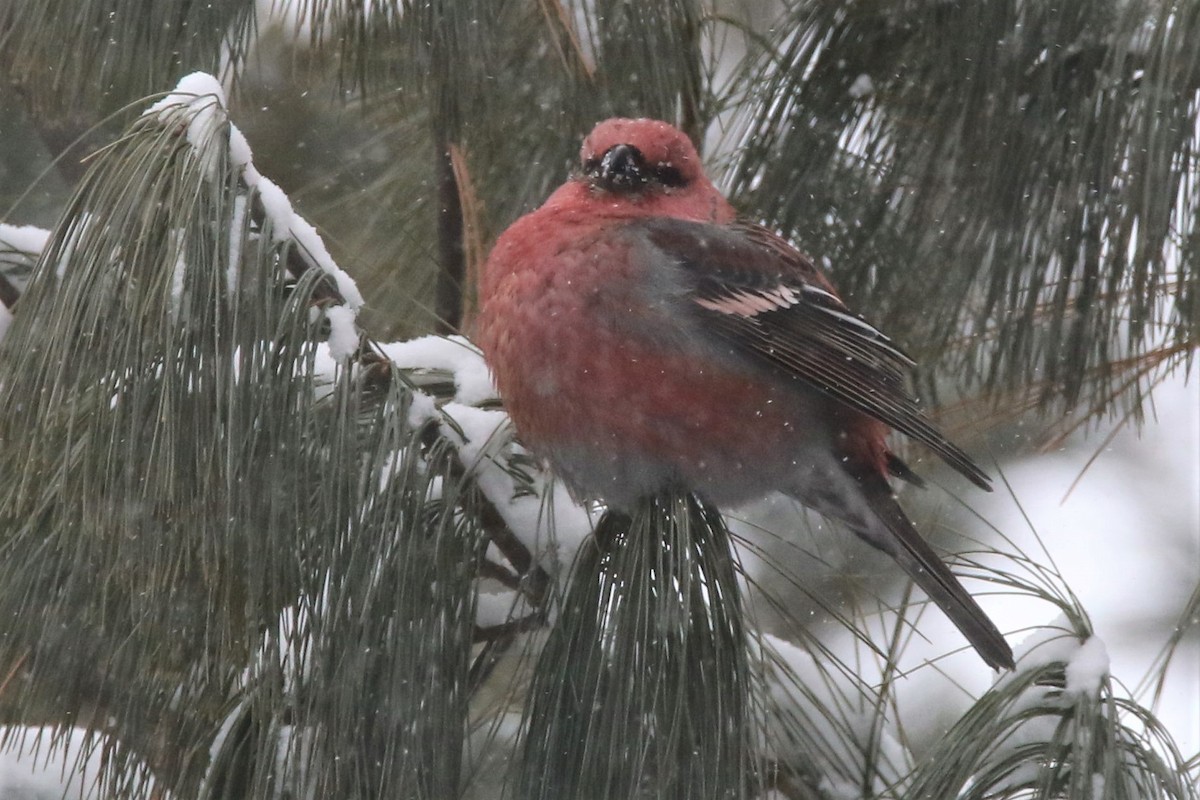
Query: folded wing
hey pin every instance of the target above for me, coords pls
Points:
(757, 294)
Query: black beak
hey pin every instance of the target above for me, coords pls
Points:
(621, 169)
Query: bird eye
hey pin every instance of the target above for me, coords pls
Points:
(668, 176)
(623, 170)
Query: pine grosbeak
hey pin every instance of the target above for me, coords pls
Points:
(645, 339)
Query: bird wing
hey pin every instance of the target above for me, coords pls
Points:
(762, 297)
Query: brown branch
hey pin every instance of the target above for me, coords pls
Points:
(532, 580)
(497, 639)
(9, 295)
(448, 303)
(786, 781)
(504, 576)
(474, 247)
(16, 667)
(534, 583)
(512, 627)
(565, 36)
(299, 261)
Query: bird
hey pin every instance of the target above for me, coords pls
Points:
(645, 338)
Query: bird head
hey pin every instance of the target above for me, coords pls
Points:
(634, 157)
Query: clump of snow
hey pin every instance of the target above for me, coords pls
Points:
(199, 91)
(201, 99)
(421, 409)
(239, 148)
(276, 204)
(1086, 663)
(1088, 667)
(1054, 643)
(324, 371)
(496, 608)
(237, 225)
(201, 94)
(862, 87)
(28, 239)
(454, 354)
(6, 319)
(343, 334)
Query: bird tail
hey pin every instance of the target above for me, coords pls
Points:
(890, 530)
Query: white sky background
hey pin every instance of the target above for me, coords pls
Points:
(1126, 541)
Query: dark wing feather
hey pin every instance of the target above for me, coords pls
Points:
(759, 294)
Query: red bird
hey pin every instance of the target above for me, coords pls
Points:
(644, 339)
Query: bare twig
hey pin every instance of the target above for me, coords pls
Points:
(451, 256)
(535, 582)
(499, 573)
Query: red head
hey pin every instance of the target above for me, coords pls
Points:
(652, 166)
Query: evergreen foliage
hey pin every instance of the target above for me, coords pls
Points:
(259, 554)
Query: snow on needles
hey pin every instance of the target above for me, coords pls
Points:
(823, 714)
(204, 100)
(27, 239)
(1037, 713)
(200, 98)
(545, 518)
(862, 87)
(343, 335)
(1088, 667)
(1086, 662)
(542, 514)
(538, 510)
(18, 243)
(472, 381)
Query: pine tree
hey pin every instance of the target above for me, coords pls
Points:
(259, 551)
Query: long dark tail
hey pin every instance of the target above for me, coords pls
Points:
(892, 532)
